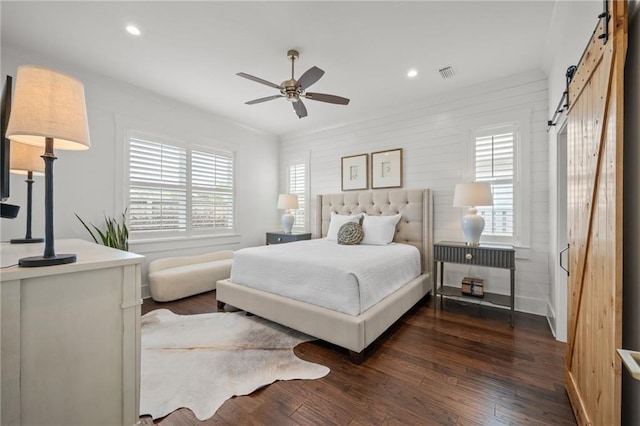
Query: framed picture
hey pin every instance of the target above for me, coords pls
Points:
(386, 169)
(355, 172)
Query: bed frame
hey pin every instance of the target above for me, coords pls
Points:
(354, 333)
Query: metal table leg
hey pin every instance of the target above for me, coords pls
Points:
(513, 296)
(441, 281)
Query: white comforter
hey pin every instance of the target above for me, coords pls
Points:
(348, 279)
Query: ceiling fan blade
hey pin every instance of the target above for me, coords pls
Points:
(300, 109)
(323, 97)
(268, 98)
(309, 77)
(259, 80)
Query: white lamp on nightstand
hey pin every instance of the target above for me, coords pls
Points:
(287, 202)
(472, 195)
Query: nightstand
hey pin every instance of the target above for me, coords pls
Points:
(488, 255)
(281, 237)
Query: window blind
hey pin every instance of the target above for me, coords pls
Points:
(179, 191)
(297, 186)
(157, 186)
(494, 163)
(211, 191)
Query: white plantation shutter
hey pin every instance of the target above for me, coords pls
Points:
(297, 186)
(211, 191)
(157, 187)
(495, 163)
(176, 191)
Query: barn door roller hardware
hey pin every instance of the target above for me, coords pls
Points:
(605, 26)
(564, 100)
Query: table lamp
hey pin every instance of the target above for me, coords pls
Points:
(25, 160)
(48, 111)
(472, 195)
(287, 202)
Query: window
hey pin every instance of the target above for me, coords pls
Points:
(211, 191)
(298, 185)
(495, 163)
(176, 190)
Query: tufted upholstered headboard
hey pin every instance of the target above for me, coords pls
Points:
(415, 206)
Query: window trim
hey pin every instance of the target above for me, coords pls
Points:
(521, 122)
(189, 234)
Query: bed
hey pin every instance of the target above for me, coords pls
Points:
(353, 330)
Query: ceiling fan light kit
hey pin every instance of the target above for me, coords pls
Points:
(294, 90)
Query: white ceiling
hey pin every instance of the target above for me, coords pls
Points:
(191, 51)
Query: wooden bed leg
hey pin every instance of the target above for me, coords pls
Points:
(356, 357)
(220, 305)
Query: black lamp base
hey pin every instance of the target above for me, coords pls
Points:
(58, 259)
(26, 240)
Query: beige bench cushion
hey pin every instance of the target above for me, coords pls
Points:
(178, 277)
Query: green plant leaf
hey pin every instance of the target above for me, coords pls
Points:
(87, 228)
(115, 235)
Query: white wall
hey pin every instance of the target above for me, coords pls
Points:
(572, 26)
(90, 182)
(631, 272)
(434, 136)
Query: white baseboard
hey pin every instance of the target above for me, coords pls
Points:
(145, 291)
(551, 318)
(531, 305)
(523, 304)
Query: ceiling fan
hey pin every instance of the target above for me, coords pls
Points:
(293, 90)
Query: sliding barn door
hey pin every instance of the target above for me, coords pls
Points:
(595, 224)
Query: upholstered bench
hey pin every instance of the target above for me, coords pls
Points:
(177, 277)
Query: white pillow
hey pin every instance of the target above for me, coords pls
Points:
(379, 230)
(337, 220)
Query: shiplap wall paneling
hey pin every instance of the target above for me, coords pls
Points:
(435, 137)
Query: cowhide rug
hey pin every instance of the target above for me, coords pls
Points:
(200, 361)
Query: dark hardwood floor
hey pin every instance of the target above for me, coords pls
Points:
(461, 365)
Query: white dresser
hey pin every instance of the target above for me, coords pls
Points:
(70, 337)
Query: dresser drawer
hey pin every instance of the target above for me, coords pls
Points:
(490, 257)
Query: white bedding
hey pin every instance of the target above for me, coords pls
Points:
(348, 279)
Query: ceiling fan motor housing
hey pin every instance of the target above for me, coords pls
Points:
(290, 91)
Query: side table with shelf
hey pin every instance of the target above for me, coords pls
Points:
(487, 255)
(281, 237)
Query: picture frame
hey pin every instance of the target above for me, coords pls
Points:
(355, 172)
(386, 169)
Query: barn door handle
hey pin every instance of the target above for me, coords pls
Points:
(561, 253)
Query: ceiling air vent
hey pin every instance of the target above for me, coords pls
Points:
(447, 72)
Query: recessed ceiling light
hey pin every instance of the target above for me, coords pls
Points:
(412, 73)
(132, 29)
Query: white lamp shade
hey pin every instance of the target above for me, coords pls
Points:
(287, 201)
(472, 194)
(26, 158)
(48, 104)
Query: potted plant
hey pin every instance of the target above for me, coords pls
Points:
(116, 234)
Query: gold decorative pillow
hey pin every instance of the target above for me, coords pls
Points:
(350, 234)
